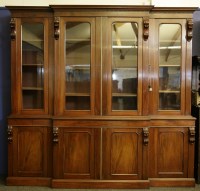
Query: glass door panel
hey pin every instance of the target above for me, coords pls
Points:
(169, 66)
(77, 65)
(124, 65)
(33, 65)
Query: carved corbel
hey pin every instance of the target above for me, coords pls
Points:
(191, 135)
(189, 29)
(145, 136)
(10, 134)
(55, 134)
(146, 28)
(13, 29)
(56, 28)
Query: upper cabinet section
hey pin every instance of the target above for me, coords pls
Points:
(122, 61)
(171, 62)
(98, 59)
(30, 62)
(103, 60)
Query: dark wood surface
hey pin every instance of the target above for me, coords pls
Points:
(100, 147)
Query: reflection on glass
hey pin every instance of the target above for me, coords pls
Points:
(77, 65)
(33, 65)
(124, 65)
(169, 66)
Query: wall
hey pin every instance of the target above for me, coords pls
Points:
(4, 85)
(196, 34)
(169, 3)
(49, 2)
(5, 52)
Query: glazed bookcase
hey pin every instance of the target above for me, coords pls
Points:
(101, 97)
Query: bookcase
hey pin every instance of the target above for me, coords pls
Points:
(101, 97)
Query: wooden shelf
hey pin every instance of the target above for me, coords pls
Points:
(77, 40)
(169, 110)
(33, 88)
(133, 68)
(78, 94)
(169, 91)
(124, 95)
(32, 64)
(169, 65)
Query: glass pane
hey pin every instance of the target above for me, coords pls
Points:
(77, 65)
(169, 66)
(124, 66)
(169, 101)
(33, 65)
(33, 99)
(77, 102)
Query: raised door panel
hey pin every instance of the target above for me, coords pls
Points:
(122, 154)
(30, 151)
(171, 153)
(76, 153)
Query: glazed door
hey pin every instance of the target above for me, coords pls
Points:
(75, 67)
(122, 66)
(169, 65)
(30, 62)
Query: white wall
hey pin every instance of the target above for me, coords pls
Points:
(168, 3)
(176, 3)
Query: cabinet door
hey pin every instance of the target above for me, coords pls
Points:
(169, 153)
(74, 153)
(30, 66)
(170, 63)
(122, 66)
(122, 154)
(30, 148)
(75, 66)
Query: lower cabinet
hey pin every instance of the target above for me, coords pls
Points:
(75, 153)
(171, 152)
(29, 152)
(171, 157)
(81, 152)
(100, 154)
(123, 154)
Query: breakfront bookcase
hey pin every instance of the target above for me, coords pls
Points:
(101, 97)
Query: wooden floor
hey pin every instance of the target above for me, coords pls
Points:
(3, 187)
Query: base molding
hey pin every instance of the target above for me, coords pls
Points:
(28, 181)
(106, 184)
(172, 182)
